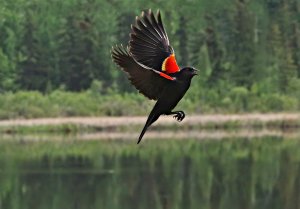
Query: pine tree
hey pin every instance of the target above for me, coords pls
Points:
(243, 45)
(284, 43)
(215, 52)
(76, 50)
(33, 74)
(183, 40)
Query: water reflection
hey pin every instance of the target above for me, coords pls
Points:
(230, 174)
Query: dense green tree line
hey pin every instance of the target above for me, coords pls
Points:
(245, 49)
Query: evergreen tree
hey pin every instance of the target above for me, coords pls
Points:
(215, 52)
(183, 40)
(33, 73)
(76, 50)
(243, 45)
(283, 44)
(251, 44)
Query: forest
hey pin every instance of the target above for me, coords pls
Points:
(55, 55)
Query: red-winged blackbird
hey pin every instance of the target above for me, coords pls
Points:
(151, 66)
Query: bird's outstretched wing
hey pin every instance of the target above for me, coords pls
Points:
(149, 43)
(148, 81)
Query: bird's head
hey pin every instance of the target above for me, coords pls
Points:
(189, 72)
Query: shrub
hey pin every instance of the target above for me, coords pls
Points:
(59, 103)
(277, 102)
(239, 96)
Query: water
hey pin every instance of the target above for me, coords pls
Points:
(190, 174)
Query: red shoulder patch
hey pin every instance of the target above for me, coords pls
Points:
(170, 65)
(166, 76)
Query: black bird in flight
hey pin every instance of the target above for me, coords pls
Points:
(150, 64)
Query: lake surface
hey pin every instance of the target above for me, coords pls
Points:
(238, 173)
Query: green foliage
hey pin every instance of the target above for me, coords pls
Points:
(239, 96)
(33, 104)
(6, 75)
(247, 53)
(59, 103)
(276, 102)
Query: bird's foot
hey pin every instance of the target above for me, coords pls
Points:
(179, 116)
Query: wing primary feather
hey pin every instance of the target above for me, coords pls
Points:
(139, 46)
(151, 21)
(143, 39)
(155, 24)
(142, 46)
(149, 34)
(161, 26)
(139, 33)
(147, 26)
(149, 43)
(150, 25)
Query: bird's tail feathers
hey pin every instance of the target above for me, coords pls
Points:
(151, 119)
(142, 133)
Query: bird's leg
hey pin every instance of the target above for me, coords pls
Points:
(181, 116)
(178, 115)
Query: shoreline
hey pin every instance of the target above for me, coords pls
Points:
(216, 126)
(163, 120)
(153, 135)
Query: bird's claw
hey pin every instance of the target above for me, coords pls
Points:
(179, 116)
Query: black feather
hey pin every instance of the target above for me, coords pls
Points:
(149, 43)
(145, 79)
